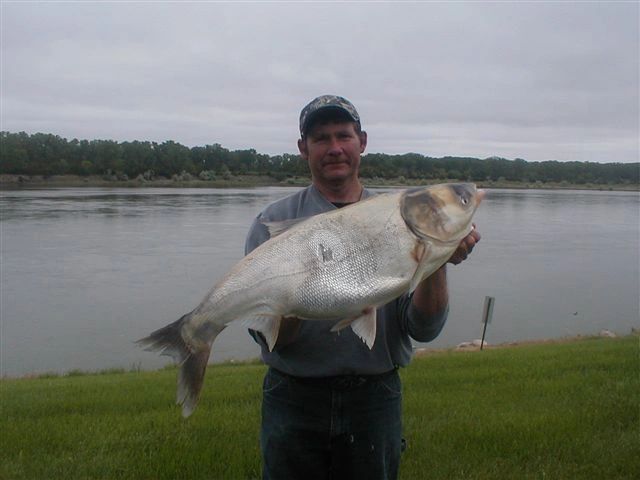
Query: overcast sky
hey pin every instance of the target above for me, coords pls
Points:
(534, 80)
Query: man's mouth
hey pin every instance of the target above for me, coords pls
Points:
(334, 162)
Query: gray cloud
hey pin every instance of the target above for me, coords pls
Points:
(532, 80)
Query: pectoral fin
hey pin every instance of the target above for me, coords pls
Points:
(364, 326)
(421, 271)
(267, 325)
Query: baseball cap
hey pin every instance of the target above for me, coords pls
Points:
(324, 103)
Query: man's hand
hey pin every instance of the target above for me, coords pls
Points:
(465, 247)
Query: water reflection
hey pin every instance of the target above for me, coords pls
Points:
(69, 202)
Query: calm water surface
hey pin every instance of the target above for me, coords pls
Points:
(86, 271)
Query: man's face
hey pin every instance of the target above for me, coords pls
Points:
(333, 151)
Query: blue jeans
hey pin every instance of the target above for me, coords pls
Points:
(333, 428)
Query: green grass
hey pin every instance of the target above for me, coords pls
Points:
(563, 411)
(557, 411)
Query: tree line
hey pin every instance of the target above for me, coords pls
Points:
(48, 154)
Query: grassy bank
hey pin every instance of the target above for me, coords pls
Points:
(560, 411)
(239, 181)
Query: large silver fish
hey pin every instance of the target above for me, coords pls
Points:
(339, 266)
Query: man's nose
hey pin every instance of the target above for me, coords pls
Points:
(334, 147)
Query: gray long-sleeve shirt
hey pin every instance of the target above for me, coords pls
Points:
(318, 352)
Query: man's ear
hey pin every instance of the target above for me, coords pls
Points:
(302, 146)
(363, 141)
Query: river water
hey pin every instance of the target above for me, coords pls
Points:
(86, 271)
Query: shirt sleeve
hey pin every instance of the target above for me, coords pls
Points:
(420, 327)
(258, 234)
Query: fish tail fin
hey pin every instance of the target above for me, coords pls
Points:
(169, 341)
(191, 379)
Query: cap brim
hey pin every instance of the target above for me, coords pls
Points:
(323, 110)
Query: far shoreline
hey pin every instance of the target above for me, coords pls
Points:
(13, 182)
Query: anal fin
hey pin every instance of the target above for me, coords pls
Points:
(364, 326)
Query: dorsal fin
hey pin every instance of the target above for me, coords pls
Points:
(277, 227)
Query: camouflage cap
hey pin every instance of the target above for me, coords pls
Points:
(324, 102)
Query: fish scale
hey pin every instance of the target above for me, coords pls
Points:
(339, 278)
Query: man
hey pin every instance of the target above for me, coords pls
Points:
(332, 407)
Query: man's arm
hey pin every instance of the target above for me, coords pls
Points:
(431, 297)
(430, 301)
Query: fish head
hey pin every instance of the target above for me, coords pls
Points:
(441, 212)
